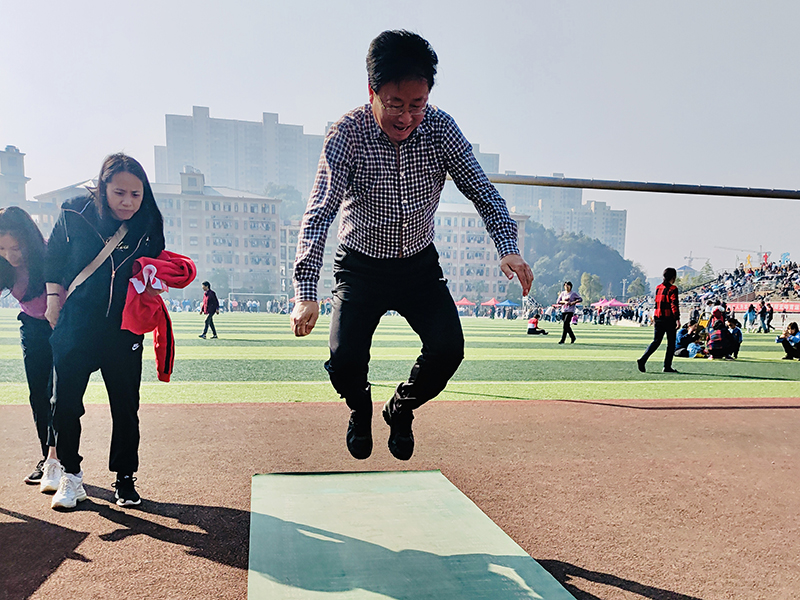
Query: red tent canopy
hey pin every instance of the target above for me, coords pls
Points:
(602, 302)
(464, 302)
(615, 303)
(492, 302)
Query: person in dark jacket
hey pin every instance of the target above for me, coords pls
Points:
(210, 308)
(87, 333)
(666, 320)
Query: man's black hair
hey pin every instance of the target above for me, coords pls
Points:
(400, 55)
(207, 284)
(669, 274)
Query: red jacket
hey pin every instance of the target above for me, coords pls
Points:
(144, 312)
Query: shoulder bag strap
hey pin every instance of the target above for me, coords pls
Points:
(99, 259)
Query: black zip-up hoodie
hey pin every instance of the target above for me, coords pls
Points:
(77, 238)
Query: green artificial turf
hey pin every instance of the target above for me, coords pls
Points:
(257, 359)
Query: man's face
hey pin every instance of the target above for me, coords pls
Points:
(411, 95)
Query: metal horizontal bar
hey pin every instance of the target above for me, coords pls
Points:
(645, 186)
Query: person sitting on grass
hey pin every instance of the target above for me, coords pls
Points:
(736, 334)
(533, 326)
(720, 341)
(790, 339)
(685, 336)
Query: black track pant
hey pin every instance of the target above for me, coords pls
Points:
(34, 335)
(118, 356)
(210, 323)
(366, 288)
(567, 329)
(663, 327)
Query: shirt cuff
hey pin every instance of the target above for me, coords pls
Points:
(506, 247)
(305, 291)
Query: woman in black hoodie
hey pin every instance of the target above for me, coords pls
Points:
(87, 333)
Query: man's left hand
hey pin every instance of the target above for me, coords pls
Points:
(513, 263)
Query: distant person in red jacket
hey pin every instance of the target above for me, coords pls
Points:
(210, 308)
(666, 320)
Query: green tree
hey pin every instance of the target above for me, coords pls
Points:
(706, 273)
(590, 288)
(292, 203)
(558, 258)
(636, 288)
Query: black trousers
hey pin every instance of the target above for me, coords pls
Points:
(793, 351)
(34, 336)
(210, 323)
(118, 356)
(366, 288)
(567, 330)
(662, 327)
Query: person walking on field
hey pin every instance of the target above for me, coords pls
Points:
(568, 300)
(210, 308)
(666, 320)
(385, 164)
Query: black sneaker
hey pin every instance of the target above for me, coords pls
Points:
(669, 370)
(36, 477)
(359, 433)
(401, 438)
(640, 364)
(202, 335)
(126, 494)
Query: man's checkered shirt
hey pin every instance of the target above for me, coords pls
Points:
(389, 195)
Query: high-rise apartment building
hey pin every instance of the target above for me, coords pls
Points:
(242, 155)
(564, 211)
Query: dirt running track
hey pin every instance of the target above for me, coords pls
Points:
(672, 500)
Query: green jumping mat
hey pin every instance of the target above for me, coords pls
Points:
(407, 535)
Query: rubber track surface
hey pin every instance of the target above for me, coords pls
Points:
(671, 500)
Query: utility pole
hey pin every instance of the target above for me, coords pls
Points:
(624, 283)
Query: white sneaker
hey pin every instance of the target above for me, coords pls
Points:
(51, 475)
(70, 491)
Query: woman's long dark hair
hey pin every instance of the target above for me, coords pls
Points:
(17, 223)
(148, 217)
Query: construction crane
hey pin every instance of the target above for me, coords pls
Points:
(690, 258)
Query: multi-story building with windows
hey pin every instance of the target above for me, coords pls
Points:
(467, 253)
(242, 155)
(564, 211)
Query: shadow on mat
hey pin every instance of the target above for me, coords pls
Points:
(567, 574)
(224, 531)
(26, 561)
(308, 558)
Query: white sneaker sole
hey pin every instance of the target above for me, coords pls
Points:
(121, 502)
(48, 487)
(66, 504)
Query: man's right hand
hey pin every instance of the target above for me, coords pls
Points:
(304, 317)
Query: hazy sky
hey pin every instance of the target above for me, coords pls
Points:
(680, 91)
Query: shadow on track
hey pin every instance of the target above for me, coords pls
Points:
(32, 550)
(566, 574)
(223, 536)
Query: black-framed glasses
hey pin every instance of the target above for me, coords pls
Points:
(396, 111)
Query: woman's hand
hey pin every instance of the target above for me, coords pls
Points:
(54, 293)
(53, 310)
